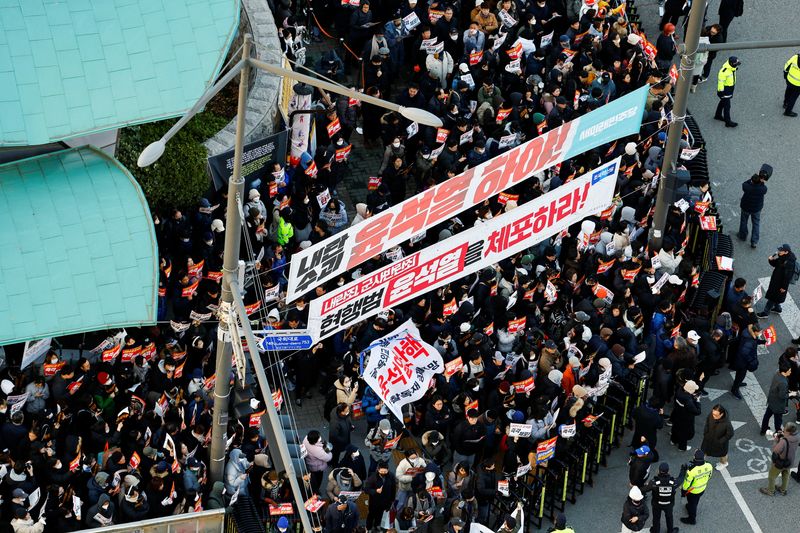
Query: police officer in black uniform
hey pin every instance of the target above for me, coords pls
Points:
(663, 487)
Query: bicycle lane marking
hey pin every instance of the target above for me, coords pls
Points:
(741, 502)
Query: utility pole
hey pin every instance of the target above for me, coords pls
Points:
(666, 188)
(233, 230)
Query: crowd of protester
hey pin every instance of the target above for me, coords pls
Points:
(122, 433)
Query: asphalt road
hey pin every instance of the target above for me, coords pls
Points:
(732, 502)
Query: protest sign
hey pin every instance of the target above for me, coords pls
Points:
(323, 261)
(400, 367)
(465, 253)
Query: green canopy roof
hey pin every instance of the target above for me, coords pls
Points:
(77, 247)
(74, 67)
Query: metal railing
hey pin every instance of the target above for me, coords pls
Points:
(212, 521)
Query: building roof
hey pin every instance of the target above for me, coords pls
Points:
(77, 247)
(75, 67)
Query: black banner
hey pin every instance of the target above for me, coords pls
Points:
(255, 158)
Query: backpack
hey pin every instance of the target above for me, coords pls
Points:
(795, 273)
(782, 462)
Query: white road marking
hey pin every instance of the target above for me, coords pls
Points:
(754, 397)
(740, 501)
(790, 314)
(750, 477)
(713, 394)
(736, 425)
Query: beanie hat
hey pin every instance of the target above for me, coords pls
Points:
(104, 379)
(555, 376)
(283, 522)
(578, 391)
(699, 455)
(253, 194)
(663, 467)
(635, 494)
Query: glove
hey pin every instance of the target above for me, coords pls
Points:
(683, 493)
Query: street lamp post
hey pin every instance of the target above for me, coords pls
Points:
(230, 302)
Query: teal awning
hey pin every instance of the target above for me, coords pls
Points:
(77, 247)
(75, 67)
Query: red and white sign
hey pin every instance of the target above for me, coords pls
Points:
(526, 385)
(520, 430)
(453, 366)
(545, 450)
(322, 261)
(373, 183)
(463, 254)
(708, 223)
(603, 266)
(518, 324)
(392, 443)
(281, 509)
(770, 335)
(400, 367)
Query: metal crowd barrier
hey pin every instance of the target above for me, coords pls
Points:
(203, 522)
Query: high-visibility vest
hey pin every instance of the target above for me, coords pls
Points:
(792, 70)
(726, 77)
(697, 478)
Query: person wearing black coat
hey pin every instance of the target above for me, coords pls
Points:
(343, 516)
(746, 358)
(339, 431)
(717, 435)
(728, 10)
(684, 411)
(783, 264)
(634, 512)
(751, 204)
(381, 488)
(639, 465)
(647, 421)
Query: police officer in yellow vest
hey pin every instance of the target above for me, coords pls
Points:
(726, 81)
(698, 472)
(791, 73)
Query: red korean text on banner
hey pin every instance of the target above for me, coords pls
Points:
(112, 353)
(770, 335)
(606, 214)
(255, 418)
(333, 127)
(357, 410)
(273, 189)
(50, 369)
(630, 275)
(189, 290)
(702, 207)
(286, 202)
(352, 102)
(603, 293)
(708, 223)
(311, 169)
(515, 51)
(436, 492)
(604, 266)
(503, 198)
(529, 295)
(489, 330)
(198, 504)
(470, 406)
(594, 238)
(75, 463)
(676, 331)
(503, 113)
(526, 385)
(392, 443)
(453, 366)
(589, 419)
(281, 509)
(441, 135)
(178, 355)
(196, 269)
(540, 127)
(518, 324)
(450, 308)
(179, 370)
(149, 351)
(73, 387)
(135, 460)
(209, 382)
(545, 450)
(214, 276)
(673, 74)
(475, 57)
(314, 504)
(252, 308)
(343, 153)
(277, 399)
(373, 183)
(129, 353)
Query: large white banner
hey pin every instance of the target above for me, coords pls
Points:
(400, 367)
(465, 252)
(379, 233)
(34, 350)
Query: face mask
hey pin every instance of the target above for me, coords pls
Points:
(340, 142)
(454, 37)
(473, 32)
(426, 156)
(476, 389)
(106, 506)
(396, 144)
